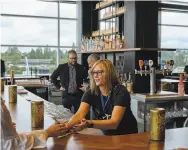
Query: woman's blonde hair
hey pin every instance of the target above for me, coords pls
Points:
(110, 76)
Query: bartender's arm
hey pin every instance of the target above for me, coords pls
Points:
(186, 71)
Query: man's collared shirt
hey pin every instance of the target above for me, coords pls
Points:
(72, 88)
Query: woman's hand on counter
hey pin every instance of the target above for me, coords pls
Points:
(82, 125)
(56, 130)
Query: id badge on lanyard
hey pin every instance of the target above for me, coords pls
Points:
(104, 104)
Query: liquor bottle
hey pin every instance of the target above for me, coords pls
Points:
(118, 41)
(114, 43)
(125, 80)
(97, 43)
(106, 43)
(122, 42)
(90, 44)
(110, 43)
(94, 45)
(102, 43)
(86, 44)
(82, 44)
(130, 84)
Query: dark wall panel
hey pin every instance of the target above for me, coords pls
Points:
(89, 17)
(86, 18)
(147, 24)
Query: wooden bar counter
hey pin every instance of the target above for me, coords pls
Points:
(21, 115)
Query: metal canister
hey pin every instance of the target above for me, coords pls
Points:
(155, 145)
(12, 93)
(2, 84)
(157, 124)
(11, 74)
(37, 114)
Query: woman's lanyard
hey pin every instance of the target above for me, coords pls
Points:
(102, 102)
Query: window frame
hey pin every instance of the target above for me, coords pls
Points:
(179, 7)
(58, 18)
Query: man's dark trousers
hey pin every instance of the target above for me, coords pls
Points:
(70, 100)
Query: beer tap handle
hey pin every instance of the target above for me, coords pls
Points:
(167, 66)
(171, 65)
(141, 63)
(162, 66)
(145, 66)
(150, 63)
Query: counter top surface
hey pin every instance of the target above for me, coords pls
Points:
(172, 80)
(160, 96)
(20, 113)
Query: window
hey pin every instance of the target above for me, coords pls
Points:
(174, 18)
(32, 8)
(179, 2)
(174, 33)
(68, 32)
(174, 37)
(68, 10)
(30, 31)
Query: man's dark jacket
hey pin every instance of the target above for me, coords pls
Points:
(62, 71)
(2, 67)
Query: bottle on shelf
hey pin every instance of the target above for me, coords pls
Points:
(114, 43)
(94, 43)
(90, 44)
(181, 86)
(98, 43)
(102, 43)
(110, 43)
(118, 41)
(125, 80)
(122, 45)
(130, 84)
(82, 44)
(105, 43)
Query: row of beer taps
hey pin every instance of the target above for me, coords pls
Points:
(145, 66)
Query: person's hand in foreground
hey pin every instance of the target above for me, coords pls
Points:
(56, 130)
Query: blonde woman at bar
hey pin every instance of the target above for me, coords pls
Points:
(110, 102)
(11, 140)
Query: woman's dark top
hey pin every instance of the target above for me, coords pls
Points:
(119, 97)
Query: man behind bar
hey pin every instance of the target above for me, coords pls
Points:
(71, 78)
(186, 72)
